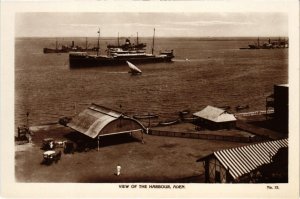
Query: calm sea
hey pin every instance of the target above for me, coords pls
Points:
(204, 72)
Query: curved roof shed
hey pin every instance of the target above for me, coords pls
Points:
(101, 121)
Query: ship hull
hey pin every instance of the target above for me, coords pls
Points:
(91, 61)
(50, 50)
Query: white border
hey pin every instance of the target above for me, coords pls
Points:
(10, 188)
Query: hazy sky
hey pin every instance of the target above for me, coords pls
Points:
(166, 24)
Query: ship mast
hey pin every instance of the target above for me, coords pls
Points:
(98, 46)
(137, 38)
(118, 40)
(153, 41)
(56, 44)
(86, 43)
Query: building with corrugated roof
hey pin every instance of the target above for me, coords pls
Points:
(245, 164)
(97, 121)
(215, 118)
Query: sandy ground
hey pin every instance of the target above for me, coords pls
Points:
(159, 159)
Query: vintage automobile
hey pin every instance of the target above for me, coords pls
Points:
(48, 144)
(51, 156)
(69, 147)
(24, 135)
(64, 120)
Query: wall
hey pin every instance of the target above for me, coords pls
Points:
(281, 107)
(216, 172)
(214, 125)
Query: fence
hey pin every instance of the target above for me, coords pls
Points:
(254, 113)
(195, 135)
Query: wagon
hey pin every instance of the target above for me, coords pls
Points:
(51, 156)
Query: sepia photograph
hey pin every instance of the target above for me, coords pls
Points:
(152, 99)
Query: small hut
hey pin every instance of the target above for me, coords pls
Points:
(215, 118)
(97, 121)
(244, 164)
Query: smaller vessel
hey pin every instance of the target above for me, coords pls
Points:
(72, 48)
(280, 43)
(133, 69)
(183, 113)
(168, 122)
(238, 108)
(146, 116)
(226, 107)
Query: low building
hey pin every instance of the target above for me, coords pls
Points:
(97, 121)
(215, 118)
(248, 163)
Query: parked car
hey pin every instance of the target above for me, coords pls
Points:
(51, 156)
(24, 135)
(64, 120)
(69, 147)
(48, 144)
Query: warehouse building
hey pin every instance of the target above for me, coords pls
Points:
(249, 163)
(97, 121)
(215, 118)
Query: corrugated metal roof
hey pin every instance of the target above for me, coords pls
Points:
(93, 119)
(242, 160)
(215, 114)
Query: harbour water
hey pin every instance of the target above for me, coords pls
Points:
(205, 71)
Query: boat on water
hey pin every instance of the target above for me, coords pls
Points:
(71, 48)
(133, 69)
(280, 43)
(146, 116)
(118, 56)
(168, 122)
(239, 107)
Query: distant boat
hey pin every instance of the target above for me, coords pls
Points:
(238, 108)
(133, 69)
(145, 116)
(224, 107)
(184, 112)
(67, 49)
(169, 122)
(270, 45)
